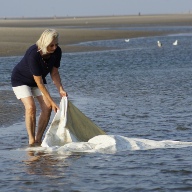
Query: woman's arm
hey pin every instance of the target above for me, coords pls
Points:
(43, 89)
(57, 81)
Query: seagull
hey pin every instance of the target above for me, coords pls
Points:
(159, 44)
(175, 43)
(126, 40)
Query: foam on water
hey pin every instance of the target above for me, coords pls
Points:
(110, 144)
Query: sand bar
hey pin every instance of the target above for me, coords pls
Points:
(16, 35)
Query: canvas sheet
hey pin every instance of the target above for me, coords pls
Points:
(70, 125)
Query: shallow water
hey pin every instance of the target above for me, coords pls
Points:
(136, 90)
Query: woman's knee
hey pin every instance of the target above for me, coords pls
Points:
(45, 104)
(30, 109)
(29, 105)
(46, 108)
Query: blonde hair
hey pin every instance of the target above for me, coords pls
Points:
(46, 38)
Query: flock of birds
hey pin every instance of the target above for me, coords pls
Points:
(159, 44)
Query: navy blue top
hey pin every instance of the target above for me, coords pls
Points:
(33, 64)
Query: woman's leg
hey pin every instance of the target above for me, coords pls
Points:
(44, 117)
(30, 117)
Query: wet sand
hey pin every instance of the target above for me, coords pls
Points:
(16, 35)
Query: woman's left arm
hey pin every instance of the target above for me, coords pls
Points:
(57, 81)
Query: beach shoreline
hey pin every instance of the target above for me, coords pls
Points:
(16, 35)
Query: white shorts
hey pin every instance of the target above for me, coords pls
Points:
(26, 91)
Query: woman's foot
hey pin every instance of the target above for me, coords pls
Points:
(35, 145)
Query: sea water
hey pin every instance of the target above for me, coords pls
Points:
(134, 90)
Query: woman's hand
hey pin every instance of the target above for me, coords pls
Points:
(54, 107)
(63, 93)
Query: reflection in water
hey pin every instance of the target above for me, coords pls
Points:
(51, 165)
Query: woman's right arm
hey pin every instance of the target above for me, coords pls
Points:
(43, 89)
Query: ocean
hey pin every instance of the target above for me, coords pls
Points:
(134, 90)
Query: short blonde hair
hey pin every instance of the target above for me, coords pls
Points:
(46, 38)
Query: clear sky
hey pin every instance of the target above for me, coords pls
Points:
(49, 8)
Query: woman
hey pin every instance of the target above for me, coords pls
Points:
(28, 81)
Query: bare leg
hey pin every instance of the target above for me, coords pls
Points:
(44, 117)
(30, 117)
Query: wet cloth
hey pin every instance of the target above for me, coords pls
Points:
(70, 125)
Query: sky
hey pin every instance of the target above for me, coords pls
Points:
(72, 8)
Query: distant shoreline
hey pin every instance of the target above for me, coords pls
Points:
(16, 35)
(90, 16)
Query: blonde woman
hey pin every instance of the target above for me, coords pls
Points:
(28, 82)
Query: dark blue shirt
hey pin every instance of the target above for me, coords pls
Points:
(33, 64)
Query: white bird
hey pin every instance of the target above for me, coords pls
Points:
(176, 42)
(126, 40)
(159, 44)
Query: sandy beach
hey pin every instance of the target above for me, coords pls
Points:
(16, 35)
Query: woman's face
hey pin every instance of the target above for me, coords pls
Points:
(52, 46)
